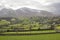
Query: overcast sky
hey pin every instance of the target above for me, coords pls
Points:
(36, 4)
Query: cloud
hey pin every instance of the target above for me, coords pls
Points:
(17, 3)
(36, 4)
(55, 7)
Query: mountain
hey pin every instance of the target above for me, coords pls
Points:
(33, 12)
(55, 8)
(25, 12)
(8, 13)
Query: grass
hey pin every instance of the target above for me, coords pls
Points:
(33, 37)
(30, 32)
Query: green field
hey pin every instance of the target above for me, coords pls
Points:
(32, 37)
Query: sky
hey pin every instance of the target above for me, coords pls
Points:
(35, 4)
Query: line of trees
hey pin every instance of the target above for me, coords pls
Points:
(32, 23)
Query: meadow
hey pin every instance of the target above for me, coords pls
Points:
(32, 37)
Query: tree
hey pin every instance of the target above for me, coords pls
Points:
(4, 23)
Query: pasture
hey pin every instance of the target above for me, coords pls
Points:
(55, 36)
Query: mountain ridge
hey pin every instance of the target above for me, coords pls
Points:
(25, 12)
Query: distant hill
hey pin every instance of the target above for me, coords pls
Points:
(25, 12)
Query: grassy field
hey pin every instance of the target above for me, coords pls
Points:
(33, 37)
(29, 32)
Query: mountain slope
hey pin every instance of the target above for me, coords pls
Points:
(25, 12)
